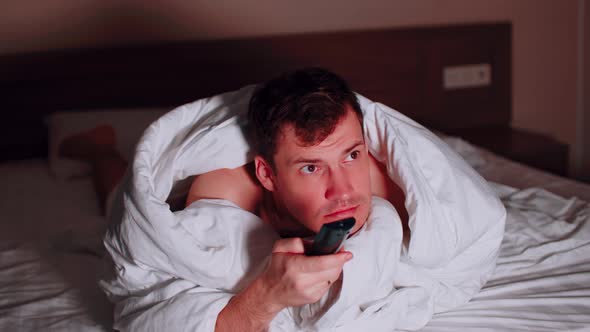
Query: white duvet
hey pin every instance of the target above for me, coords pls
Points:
(177, 270)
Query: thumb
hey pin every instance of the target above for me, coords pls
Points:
(292, 245)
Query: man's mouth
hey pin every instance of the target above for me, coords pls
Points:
(343, 213)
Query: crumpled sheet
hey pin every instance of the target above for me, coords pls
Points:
(176, 270)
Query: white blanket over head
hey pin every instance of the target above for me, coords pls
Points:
(177, 270)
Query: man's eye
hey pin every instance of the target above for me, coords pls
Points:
(353, 155)
(308, 169)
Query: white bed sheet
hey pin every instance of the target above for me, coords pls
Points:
(511, 173)
(50, 239)
(517, 175)
(542, 278)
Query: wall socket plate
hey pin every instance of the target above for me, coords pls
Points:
(467, 76)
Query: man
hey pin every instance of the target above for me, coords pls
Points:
(311, 167)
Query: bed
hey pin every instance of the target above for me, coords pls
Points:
(51, 224)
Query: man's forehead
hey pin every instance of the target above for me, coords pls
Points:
(293, 148)
(288, 132)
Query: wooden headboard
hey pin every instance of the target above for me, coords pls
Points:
(402, 68)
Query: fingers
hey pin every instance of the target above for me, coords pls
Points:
(326, 267)
(311, 263)
(295, 279)
(325, 262)
(318, 284)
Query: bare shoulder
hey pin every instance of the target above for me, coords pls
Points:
(237, 185)
(382, 186)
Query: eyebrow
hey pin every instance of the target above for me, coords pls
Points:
(315, 161)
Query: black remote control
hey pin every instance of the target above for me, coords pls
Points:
(331, 237)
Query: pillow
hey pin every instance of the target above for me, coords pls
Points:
(129, 125)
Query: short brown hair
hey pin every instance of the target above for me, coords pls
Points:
(314, 100)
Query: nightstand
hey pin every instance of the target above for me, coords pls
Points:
(533, 149)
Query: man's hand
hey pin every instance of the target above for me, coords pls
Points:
(290, 279)
(293, 279)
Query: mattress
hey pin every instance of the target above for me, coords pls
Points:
(50, 253)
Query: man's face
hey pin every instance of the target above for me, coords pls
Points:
(325, 182)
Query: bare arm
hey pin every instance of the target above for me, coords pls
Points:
(291, 279)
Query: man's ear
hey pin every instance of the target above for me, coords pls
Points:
(264, 173)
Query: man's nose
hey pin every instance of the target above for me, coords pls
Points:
(339, 185)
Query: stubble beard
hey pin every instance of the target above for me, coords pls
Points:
(283, 222)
